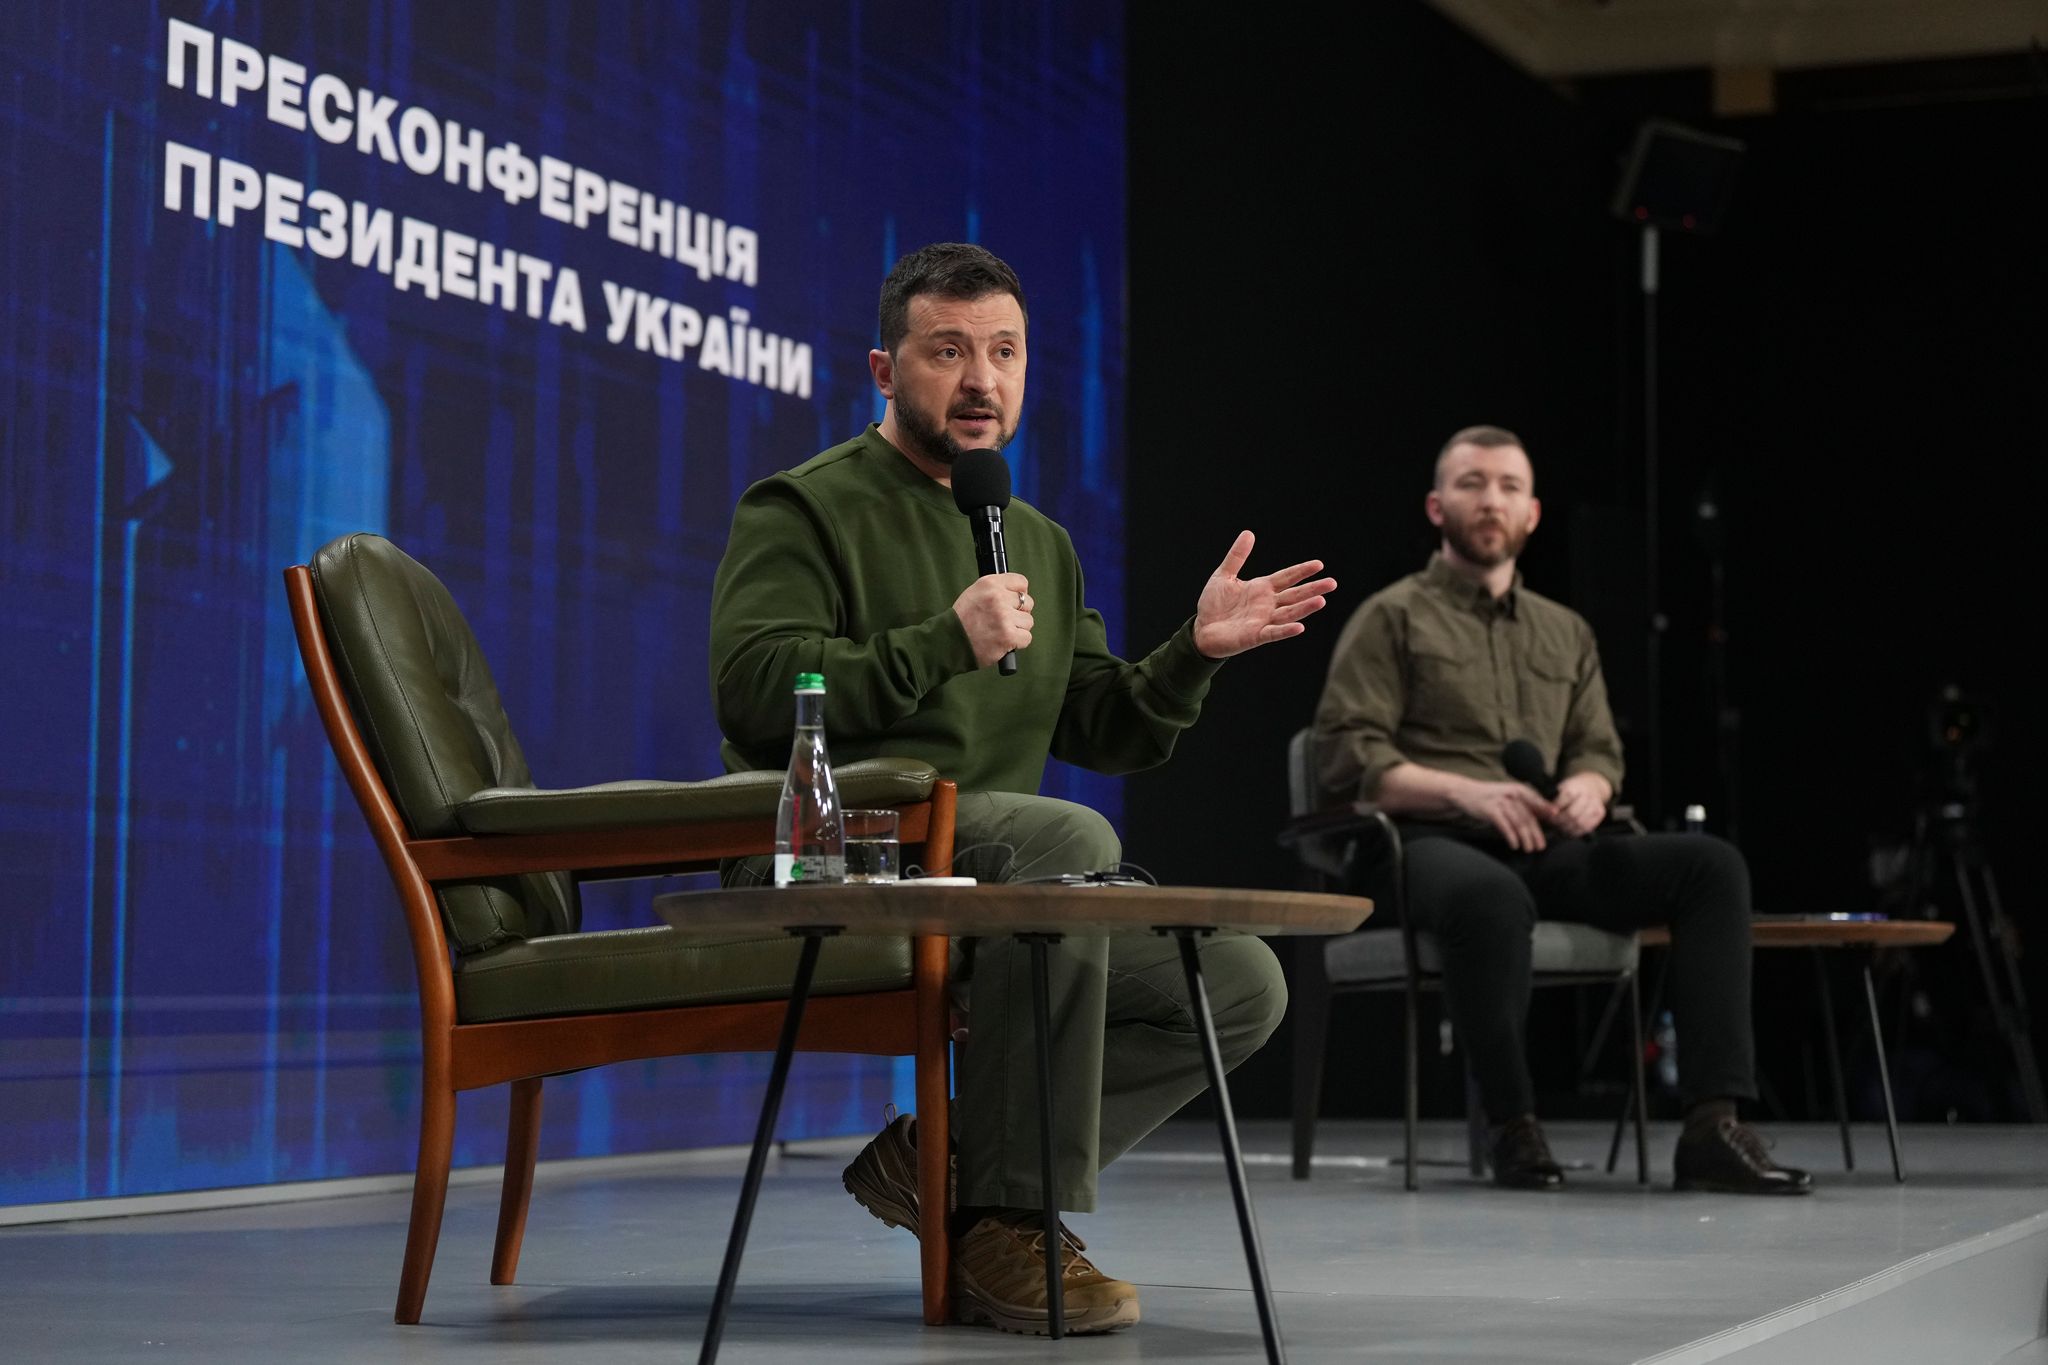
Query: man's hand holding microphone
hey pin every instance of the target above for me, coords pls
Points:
(995, 611)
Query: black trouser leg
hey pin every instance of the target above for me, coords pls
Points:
(1481, 915)
(1699, 886)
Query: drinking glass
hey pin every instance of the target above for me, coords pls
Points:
(872, 851)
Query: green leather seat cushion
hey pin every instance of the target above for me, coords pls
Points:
(622, 969)
(735, 796)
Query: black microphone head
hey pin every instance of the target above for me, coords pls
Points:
(1524, 762)
(981, 478)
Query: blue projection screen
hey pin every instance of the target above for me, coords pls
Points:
(536, 291)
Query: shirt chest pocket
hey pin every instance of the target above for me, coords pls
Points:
(1548, 682)
(1450, 687)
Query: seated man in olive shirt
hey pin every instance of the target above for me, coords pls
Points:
(1431, 679)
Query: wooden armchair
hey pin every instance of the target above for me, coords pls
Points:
(487, 867)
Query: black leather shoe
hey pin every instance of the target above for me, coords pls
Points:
(1728, 1156)
(1522, 1160)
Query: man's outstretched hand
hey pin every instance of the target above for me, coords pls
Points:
(1237, 614)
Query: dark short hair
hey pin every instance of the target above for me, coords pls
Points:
(1485, 437)
(949, 270)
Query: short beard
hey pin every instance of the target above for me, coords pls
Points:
(934, 442)
(1468, 548)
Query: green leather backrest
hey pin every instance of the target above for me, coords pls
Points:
(429, 712)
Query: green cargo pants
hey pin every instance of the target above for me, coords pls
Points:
(1125, 1053)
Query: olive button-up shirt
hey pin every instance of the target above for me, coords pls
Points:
(1436, 671)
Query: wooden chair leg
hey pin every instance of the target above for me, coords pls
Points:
(429, 1194)
(934, 1132)
(522, 1146)
(1311, 1009)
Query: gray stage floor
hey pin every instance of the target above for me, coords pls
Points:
(619, 1264)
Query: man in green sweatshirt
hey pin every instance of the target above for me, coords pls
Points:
(856, 564)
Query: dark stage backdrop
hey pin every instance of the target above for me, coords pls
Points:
(535, 291)
(1852, 368)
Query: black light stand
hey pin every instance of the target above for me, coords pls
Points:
(1654, 619)
(1710, 524)
(1949, 852)
(1679, 179)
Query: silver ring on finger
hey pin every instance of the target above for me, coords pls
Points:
(1020, 601)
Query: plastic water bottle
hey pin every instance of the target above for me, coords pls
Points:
(1665, 1036)
(810, 840)
(1665, 1031)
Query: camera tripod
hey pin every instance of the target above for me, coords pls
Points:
(1949, 845)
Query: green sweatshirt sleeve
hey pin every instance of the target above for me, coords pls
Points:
(777, 610)
(1120, 717)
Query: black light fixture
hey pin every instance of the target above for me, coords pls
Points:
(1677, 178)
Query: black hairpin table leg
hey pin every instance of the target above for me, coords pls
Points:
(1884, 1072)
(764, 1134)
(1233, 1158)
(1041, 1013)
(1827, 1019)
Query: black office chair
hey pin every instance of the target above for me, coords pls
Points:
(1342, 848)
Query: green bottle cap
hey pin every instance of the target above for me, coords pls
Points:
(810, 682)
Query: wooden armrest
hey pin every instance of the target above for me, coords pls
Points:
(632, 851)
(641, 850)
(735, 796)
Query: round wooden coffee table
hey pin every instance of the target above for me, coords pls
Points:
(1819, 933)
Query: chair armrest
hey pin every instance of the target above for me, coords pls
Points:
(634, 805)
(1328, 840)
(635, 829)
(1621, 820)
(1360, 817)
(592, 854)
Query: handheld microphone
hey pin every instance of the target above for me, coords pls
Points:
(981, 489)
(1524, 762)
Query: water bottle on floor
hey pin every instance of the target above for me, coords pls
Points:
(1664, 1032)
(1665, 1036)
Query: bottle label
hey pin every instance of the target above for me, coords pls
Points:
(803, 870)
